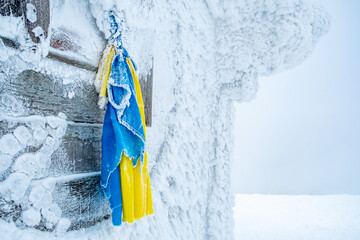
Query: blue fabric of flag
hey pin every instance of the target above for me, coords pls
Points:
(123, 132)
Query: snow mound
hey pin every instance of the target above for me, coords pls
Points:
(301, 217)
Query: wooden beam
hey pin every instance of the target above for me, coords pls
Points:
(71, 62)
(146, 84)
(43, 95)
(146, 81)
(79, 197)
(82, 201)
(10, 43)
(42, 11)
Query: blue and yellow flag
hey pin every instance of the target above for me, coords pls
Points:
(124, 175)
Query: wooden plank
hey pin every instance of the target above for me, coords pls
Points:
(42, 8)
(10, 43)
(82, 201)
(71, 62)
(44, 96)
(146, 84)
(79, 152)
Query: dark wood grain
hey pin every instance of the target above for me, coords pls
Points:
(79, 152)
(44, 96)
(10, 43)
(82, 201)
(146, 84)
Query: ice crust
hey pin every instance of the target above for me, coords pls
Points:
(31, 12)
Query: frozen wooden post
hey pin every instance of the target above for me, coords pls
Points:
(75, 165)
(146, 84)
(40, 9)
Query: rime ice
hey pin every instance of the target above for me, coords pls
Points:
(206, 55)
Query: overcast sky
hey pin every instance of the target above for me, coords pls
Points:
(301, 135)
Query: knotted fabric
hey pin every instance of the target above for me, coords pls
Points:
(124, 175)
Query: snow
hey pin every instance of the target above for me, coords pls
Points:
(35, 165)
(31, 13)
(52, 180)
(40, 197)
(26, 164)
(22, 134)
(12, 28)
(52, 214)
(62, 226)
(301, 217)
(89, 40)
(38, 31)
(9, 144)
(12, 106)
(205, 55)
(14, 187)
(39, 134)
(31, 217)
(62, 115)
(45, 133)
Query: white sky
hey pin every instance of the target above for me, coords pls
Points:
(301, 135)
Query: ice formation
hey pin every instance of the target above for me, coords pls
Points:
(31, 12)
(206, 54)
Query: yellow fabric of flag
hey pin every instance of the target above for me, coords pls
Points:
(103, 74)
(135, 184)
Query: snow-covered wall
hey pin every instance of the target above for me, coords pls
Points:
(206, 54)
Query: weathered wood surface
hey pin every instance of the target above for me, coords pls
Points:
(79, 150)
(42, 11)
(82, 201)
(9, 211)
(72, 62)
(45, 96)
(81, 147)
(146, 84)
(19, 8)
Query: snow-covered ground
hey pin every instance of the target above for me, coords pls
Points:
(297, 217)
